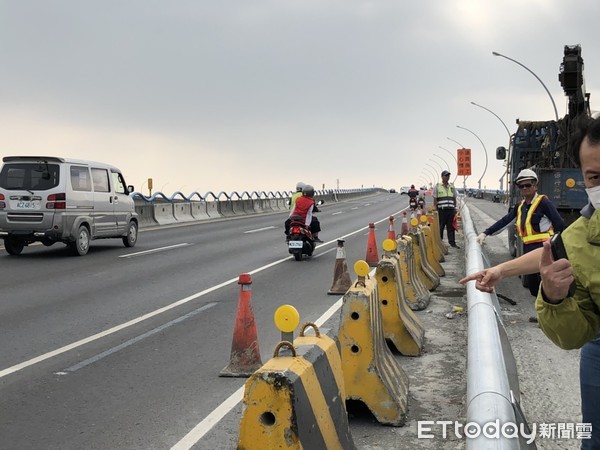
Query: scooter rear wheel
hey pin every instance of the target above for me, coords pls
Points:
(298, 256)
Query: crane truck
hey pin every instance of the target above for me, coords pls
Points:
(544, 146)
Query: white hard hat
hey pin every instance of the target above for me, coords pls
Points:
(299, 186)
(526, 174)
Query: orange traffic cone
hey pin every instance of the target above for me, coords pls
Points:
(245, 355)
(404, 228)
(372, 253)
(391, 232)
(341, 277)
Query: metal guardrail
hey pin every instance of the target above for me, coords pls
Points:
(493, 395)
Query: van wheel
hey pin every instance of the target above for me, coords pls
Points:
(82, 242)
(132, 234)
(13, 246)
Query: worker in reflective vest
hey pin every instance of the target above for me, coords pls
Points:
(536, 220)
(444, 200)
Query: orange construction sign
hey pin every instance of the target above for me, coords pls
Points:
(464, 161)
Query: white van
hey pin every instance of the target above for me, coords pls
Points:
(49, 199)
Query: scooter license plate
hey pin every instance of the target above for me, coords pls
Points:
(295, 244)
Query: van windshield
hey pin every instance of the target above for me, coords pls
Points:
(38, 176)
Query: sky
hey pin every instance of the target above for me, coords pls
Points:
(205, 95)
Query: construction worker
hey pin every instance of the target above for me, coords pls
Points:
(537, 219)
(444, 200)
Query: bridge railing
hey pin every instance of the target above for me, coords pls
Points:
(493, 394)
(160, 209)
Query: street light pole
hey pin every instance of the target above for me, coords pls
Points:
(437, 164)
(537, 78)
(484, 149)
(445, 162)
(455, 162)
(433, 175)
(509, 135)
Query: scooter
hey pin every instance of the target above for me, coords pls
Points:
(412, 203)
(421, 203)
(496, 198)
(300, 239)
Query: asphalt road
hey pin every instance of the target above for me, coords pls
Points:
(122, 348)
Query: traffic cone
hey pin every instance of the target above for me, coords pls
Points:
(341, 277)
(404, 228)
(391, 232)
(372, 257)
(245, 355)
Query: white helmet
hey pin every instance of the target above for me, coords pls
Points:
(526, 174)
(299, 186)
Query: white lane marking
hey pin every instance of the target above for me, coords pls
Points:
(154, 250)
(198, 432)
(260, 229)
(87, 340)
(356, 207)
(336, 213)
(141, 337)
(324, 253)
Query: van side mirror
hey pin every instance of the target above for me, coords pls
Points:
(130, 189)
(500, 153)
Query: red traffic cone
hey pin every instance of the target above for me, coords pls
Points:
(404, 228)
(341, 277)
(391, 232)
(245, 355)
(372, 257)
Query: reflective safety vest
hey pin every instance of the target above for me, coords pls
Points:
(529, 235)
(445, 196)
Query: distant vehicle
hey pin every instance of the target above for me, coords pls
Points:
(48, 199)
(392, 191)
(404, 190)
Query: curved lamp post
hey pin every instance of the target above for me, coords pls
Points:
(455, 162)
(445, 162)
(432, 174)
(509, 135)
(441, 169)
(537, 78)
(435, 170)
(485, 152)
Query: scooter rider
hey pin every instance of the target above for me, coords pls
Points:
(412, 194)
(304, 207)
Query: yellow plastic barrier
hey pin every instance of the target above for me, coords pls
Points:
(297, 402)
(419, 273)
(371, 372)
(436, 232)
(416, 294)
(422, 259)
(434, 255)
(400, 325)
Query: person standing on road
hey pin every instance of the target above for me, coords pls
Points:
(444, 200)
(537, 219)
(570, 321)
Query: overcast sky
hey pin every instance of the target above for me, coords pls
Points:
(207, 95)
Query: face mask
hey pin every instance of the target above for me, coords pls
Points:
(594, 196)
